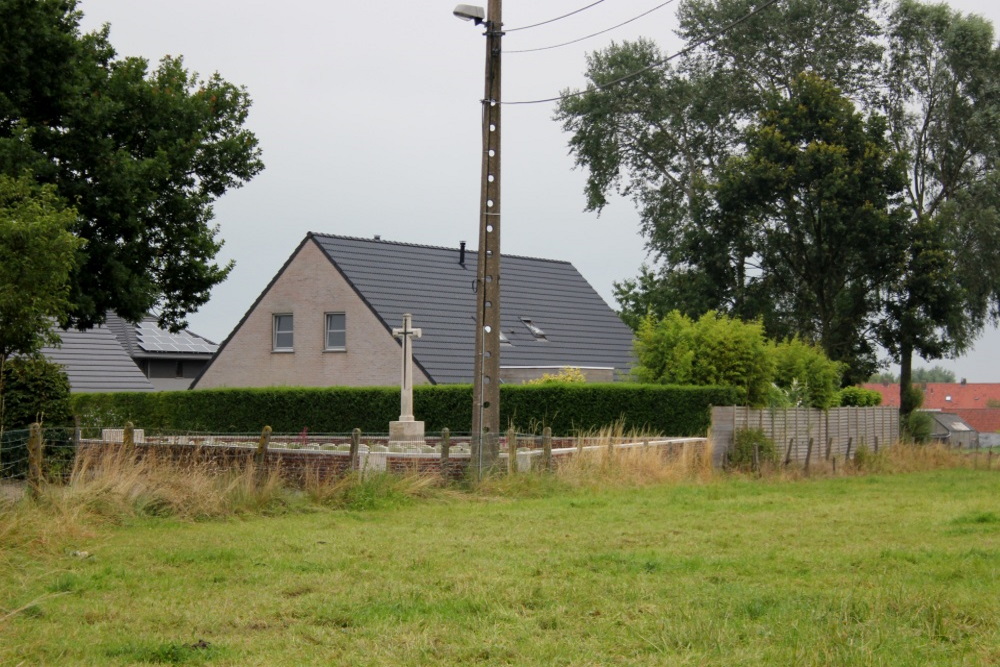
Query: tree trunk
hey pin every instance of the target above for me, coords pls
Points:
(905, 380)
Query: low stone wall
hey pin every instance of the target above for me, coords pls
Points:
(330, 458)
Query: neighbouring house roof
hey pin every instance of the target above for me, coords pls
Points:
(146, 340)
(948, 396)
(103, 358)
(984, 420)
(95, 361)
(950, 423)
(550, 315)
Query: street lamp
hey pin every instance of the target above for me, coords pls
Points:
(486, 374)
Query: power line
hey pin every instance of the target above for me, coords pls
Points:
(614, 27)
(558, 18)
(658, 63)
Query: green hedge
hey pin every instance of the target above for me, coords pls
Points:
(567, 408)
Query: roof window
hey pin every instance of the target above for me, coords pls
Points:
(535, 330)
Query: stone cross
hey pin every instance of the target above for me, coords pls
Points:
(406, 385)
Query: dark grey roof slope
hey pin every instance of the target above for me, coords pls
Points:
(396, 278)
(94, 360)
(146, 340)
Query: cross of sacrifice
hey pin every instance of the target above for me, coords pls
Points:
(406, 386)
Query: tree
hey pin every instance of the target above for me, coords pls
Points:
(664, 137)
(37, 255)
(140, 154)
(943, 105)
(816, 197)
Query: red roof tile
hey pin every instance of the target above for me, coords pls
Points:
(984, 420)
(949, 396)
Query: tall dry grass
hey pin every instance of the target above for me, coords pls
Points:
(608, 465)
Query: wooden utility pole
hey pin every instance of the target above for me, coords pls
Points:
(486, 376)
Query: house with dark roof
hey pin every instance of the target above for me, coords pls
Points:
(327, 317)
(169, 360)
(121, 356)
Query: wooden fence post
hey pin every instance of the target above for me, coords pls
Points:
(35, 460)
(261, 453)
(788, 452)
(847, 456)
(355, 447)
(809, 451)
(445, 446)
(128, 437)
(511, 450)
(829, 448)
(547, 448)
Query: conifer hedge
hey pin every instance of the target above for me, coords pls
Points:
(566, 407)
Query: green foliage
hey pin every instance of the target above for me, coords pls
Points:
(666, 137)
(140, 152)
(752, 449)
(816, 195)
(913, 398)
(714, 350)
(858, 397)
(801, 364)
(565, 407)
(919, 426)
(567, 374)
(37, 255)
(35, 390)
(935, 374)
(718, 350)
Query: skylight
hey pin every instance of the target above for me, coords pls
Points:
(535, 330)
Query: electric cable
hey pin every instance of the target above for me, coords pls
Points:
(658, 63)
(595, 34)
(558, 18)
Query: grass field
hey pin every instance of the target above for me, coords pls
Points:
(896, 569)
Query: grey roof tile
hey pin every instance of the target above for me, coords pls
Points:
(94, 360)
(427, 281)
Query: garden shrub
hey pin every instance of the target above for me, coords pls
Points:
(859, 397)
(750, 447)
(35, 390)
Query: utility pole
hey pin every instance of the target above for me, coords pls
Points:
(486, 376)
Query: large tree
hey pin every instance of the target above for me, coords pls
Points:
(662, 138)
(816, 197)
(943, 104)
(140, 153)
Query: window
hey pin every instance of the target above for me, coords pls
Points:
(283, 333)
(336, 331)
(535, 330)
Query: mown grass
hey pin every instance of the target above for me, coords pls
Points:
(682, 568)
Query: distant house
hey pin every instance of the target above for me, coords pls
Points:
(327, 317)
(120, 356)
(952, 430)
(976, 403)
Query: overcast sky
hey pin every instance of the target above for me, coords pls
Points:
(368, 115)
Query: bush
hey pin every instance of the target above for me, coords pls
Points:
(805, 372)
(567, 408)
(715, 350)
(35, 390)
(751, 449)
(919, 427)
(858, 397)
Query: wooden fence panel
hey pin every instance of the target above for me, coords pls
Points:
(791, 429)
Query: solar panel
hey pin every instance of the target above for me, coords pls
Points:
(154, 339)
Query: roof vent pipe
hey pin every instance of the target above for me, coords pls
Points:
(461, 253)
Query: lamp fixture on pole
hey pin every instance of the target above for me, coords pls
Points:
(486, 373)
